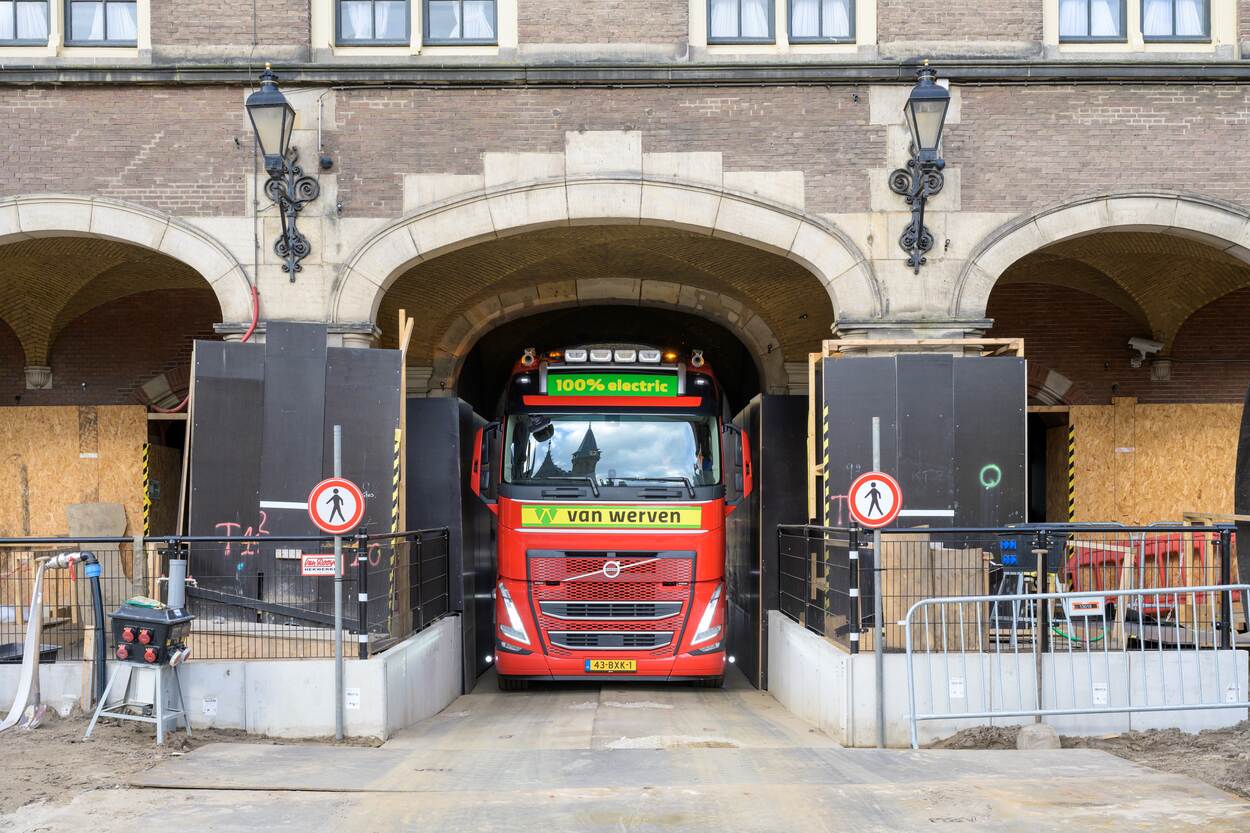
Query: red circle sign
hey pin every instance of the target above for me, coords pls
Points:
(874, 499)
(336, 505)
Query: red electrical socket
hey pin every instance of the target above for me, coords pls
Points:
(149, 655)
(145, 636)
(123, 652)
(128, 634)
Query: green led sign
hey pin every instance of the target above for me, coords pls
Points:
(590, 383)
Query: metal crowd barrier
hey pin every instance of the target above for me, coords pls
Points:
(1015, 655)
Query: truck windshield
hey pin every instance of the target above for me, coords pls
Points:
(611, 449)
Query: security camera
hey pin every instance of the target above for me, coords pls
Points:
(1144, 347)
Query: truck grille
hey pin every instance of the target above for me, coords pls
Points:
(610, 610)
(611, 640)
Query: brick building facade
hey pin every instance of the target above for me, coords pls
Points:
(619, 114)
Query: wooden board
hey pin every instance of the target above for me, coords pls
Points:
(1140, 464)
(164, 485)
(54, 456)
(1057, 474)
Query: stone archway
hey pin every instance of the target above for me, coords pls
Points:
(1223, 226)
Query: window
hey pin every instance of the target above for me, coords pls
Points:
(1184, 20)
(822, 21)
(102, 23)
(372, 21)
(24, 22)
(460, 22)
(740, 21)
(1091, 20)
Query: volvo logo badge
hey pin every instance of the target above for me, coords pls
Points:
(611, 569)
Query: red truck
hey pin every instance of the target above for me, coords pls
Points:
(611, 472)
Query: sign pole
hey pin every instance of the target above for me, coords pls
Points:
(878, 629)
(338, 600)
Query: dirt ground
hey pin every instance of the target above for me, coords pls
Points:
(52, 763)
(1220, 757)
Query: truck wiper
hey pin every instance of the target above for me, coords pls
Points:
(594, 484)
(685, 480)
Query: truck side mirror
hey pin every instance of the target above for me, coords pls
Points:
(482, 474)
(739, 481)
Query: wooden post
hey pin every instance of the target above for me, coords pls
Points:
(399, 572)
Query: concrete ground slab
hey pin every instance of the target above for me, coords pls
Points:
(622, 758)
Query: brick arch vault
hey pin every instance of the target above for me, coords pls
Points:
(835, 274)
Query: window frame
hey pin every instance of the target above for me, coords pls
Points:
(428, 40)
(800, 39)
(339, 40)
(1122, 37)
(772, 26)
(68, 10)
(16, 41)
(1204, 38)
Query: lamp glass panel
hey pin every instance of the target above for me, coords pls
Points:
(925, 118)
(271, 129)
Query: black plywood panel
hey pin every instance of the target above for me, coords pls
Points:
(1241, 491)
(990, 448)
(295, 372)
(742, 556)
(480, 561)
(926, 437)
(362, 395)
(225, 456)
(856, 390)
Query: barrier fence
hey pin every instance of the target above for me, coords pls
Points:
(1095, 652)
(828, 575)
(247, 594)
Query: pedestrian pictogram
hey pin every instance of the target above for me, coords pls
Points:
(336, 505)
(875, 499)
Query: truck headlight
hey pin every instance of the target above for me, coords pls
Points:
(515, 629)
(706, 629)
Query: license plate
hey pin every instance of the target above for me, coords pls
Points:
(611, 665)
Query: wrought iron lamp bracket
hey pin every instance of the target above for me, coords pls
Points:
(916, 183)
(290, 189)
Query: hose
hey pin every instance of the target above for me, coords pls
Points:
(247, 335)
(92, 572)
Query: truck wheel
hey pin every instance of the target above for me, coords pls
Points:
(711, 682)
(512, 684)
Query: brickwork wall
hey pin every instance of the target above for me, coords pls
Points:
(1086, 339)
(603, 21)
(102, 357)
(1027, 148)
(961, 20)
(169, 149)
(204, 23)
(824, 132)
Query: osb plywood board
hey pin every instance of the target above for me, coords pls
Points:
(1139, 464)
(51, 457)
(164, 478)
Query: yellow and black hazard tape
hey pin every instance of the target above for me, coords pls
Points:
(147, 491)
(824, 459)
(395, 464)
(1071, 472)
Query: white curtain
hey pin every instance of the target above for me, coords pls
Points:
(391, 20)
(724, 23)
(1156, 18)
(1191, 18)
(477, 20)
(6, 21)
(1073, 18)
(755, 18)
(837, 18)
(805, 18)
(32, 21)
(1105, 19)
(354, 18)
(87, 21)
(122, 20)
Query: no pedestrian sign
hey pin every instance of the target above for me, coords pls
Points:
(336, 505)
(875, 499)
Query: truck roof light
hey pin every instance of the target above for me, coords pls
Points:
(649, 356)
(626, 355)
(670, 356)
(575, 355)
(601, 355)
(554, 354)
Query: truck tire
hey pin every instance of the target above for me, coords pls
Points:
(710, 682)
(512, 683)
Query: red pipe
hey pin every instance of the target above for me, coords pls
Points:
(251, 329)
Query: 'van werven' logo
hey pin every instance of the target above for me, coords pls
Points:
(613, 517)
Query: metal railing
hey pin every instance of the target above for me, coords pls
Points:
(1012, 655)
(247, 594)
(828, 575)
